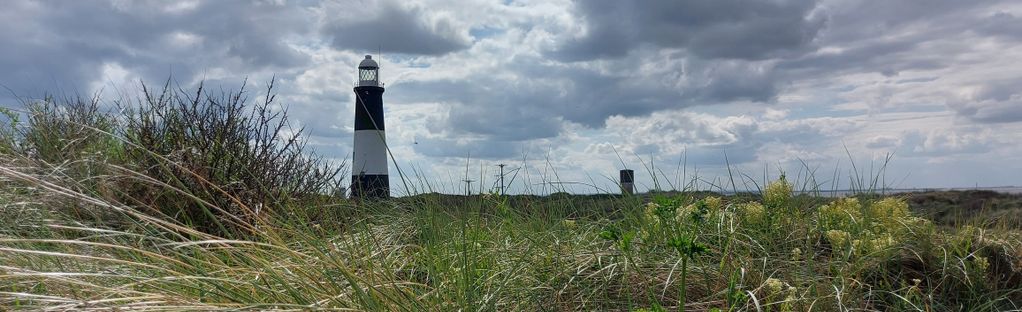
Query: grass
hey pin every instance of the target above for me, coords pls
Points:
(424, 253)
(73, 241)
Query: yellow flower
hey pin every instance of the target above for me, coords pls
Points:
(841, 213)
(651, 211)
(714, 203)
(789, 300)
(753, 211)
(838, 238)
(879, 244)
(774, 286)
(889, 208)
(796, 254)
(981, 263)
(568, 223)
(682, 212)
(777, 192)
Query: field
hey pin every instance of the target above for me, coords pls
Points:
(202, 205)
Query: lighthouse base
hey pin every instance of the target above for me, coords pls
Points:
(370, 186)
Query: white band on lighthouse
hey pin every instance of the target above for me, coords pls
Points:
(370, 153)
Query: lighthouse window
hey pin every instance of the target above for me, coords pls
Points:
(367, 74)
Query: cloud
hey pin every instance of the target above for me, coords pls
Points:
(68, 44)
(533, 98)
(718, 29)
(948, 142)
(1002, 24)
(883, 142)
(397, 28)
(996, 102)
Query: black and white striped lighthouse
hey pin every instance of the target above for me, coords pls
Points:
(369, 162)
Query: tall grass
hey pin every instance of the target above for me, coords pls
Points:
(70, 242)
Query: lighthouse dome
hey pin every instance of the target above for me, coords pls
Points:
(368, 62)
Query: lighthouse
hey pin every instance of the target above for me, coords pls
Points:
(369, 161)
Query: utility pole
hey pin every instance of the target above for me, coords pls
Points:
(468, 186)
(502, 192)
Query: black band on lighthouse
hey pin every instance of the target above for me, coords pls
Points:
(370, 186)
(368, 108)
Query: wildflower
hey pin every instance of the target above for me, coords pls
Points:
(877, 244)
(651, 209)
(981, 263)
(568, 223)
(796, 254)
(651, 214)
(774, 286)
(683, 212)
(890, 209)
(753, 211)
(777, 192)
(842, 212)
(714, 203)
(838, 237)
(789, 301)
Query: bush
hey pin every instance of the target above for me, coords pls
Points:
(240, 159)
(207, 159)
(67, 130)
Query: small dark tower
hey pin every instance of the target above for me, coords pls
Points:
(369, 162)
(627, 181)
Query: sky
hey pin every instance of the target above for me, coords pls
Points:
(566, 93)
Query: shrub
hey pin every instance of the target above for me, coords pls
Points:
(240, 159)
(67, 130)
(205, 158)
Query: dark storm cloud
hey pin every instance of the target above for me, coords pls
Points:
(1002, 24)
(534, 99)
(68, 42)
(397, 29)
(738, 29)
(476, 108)
(889, 37)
